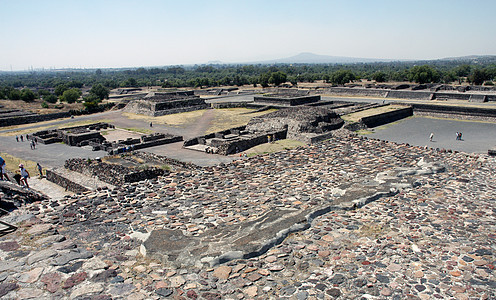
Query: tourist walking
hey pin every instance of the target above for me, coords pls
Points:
(40, 169)
(17, 139)
(431, 136)
(22, 138)
(24, 175)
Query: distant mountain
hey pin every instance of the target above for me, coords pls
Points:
(311, 58)
(472, 59)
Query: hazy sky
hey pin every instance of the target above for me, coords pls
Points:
(90, 34)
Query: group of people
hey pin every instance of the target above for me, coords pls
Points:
(21, 176)
(32, 143)
(458, 136)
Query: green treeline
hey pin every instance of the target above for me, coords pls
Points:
(66, 85)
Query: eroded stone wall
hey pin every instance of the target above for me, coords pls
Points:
(64, 182)
(115, 174)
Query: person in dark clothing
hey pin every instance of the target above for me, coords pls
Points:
(17, 177)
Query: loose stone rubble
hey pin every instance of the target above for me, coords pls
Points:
(429, 234)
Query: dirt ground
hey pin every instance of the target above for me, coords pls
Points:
(222, 119)
(35, 106)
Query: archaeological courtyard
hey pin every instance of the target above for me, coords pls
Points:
(290, 194)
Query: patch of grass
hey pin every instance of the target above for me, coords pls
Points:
(364, 131)
(178, 120)
(227, 118)
(12, 164)
(139, 130)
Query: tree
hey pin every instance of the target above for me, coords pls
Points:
(60, 89)
(264, 79)
(100, 91)
(478, 76)
(27, 95)
(71, 95)
(342, 77)
(98, 72)
(91, 101)
(51, 98)
(379, 76)
(462, 71)
(130, 82)
(15, 94)
(277, 78)
(423, 74)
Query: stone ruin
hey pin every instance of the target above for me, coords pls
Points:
(73, 136)
(307, 124)
(151, 140)
(90, 135)
(233, 140)
(160, 104)
(113, 173)
(82, 175)
(285, 97)
(301, 123)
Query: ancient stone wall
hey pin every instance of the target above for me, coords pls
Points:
(173, 104)
(226, 147)
(473, 111)
(146, 156)
(343, 91)
(297, 120)
(145, 142)
(451, 96)
(409, 95)
(414, 93)
(201, 139)
(64, 182)
(179, 110)
(18, 120)
(111, 173)
(387, 117)
(286, 100)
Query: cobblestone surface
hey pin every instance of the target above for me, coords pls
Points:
(435, 239)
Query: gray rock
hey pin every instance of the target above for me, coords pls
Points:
(65, 258)
(41, 255)
(10, 265)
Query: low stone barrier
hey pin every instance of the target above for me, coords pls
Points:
(410, 95)
(18, 120)
(64, 182)
(461, 110)
(111, 173)
(343, 91)
(227, 147)
(387, 117)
